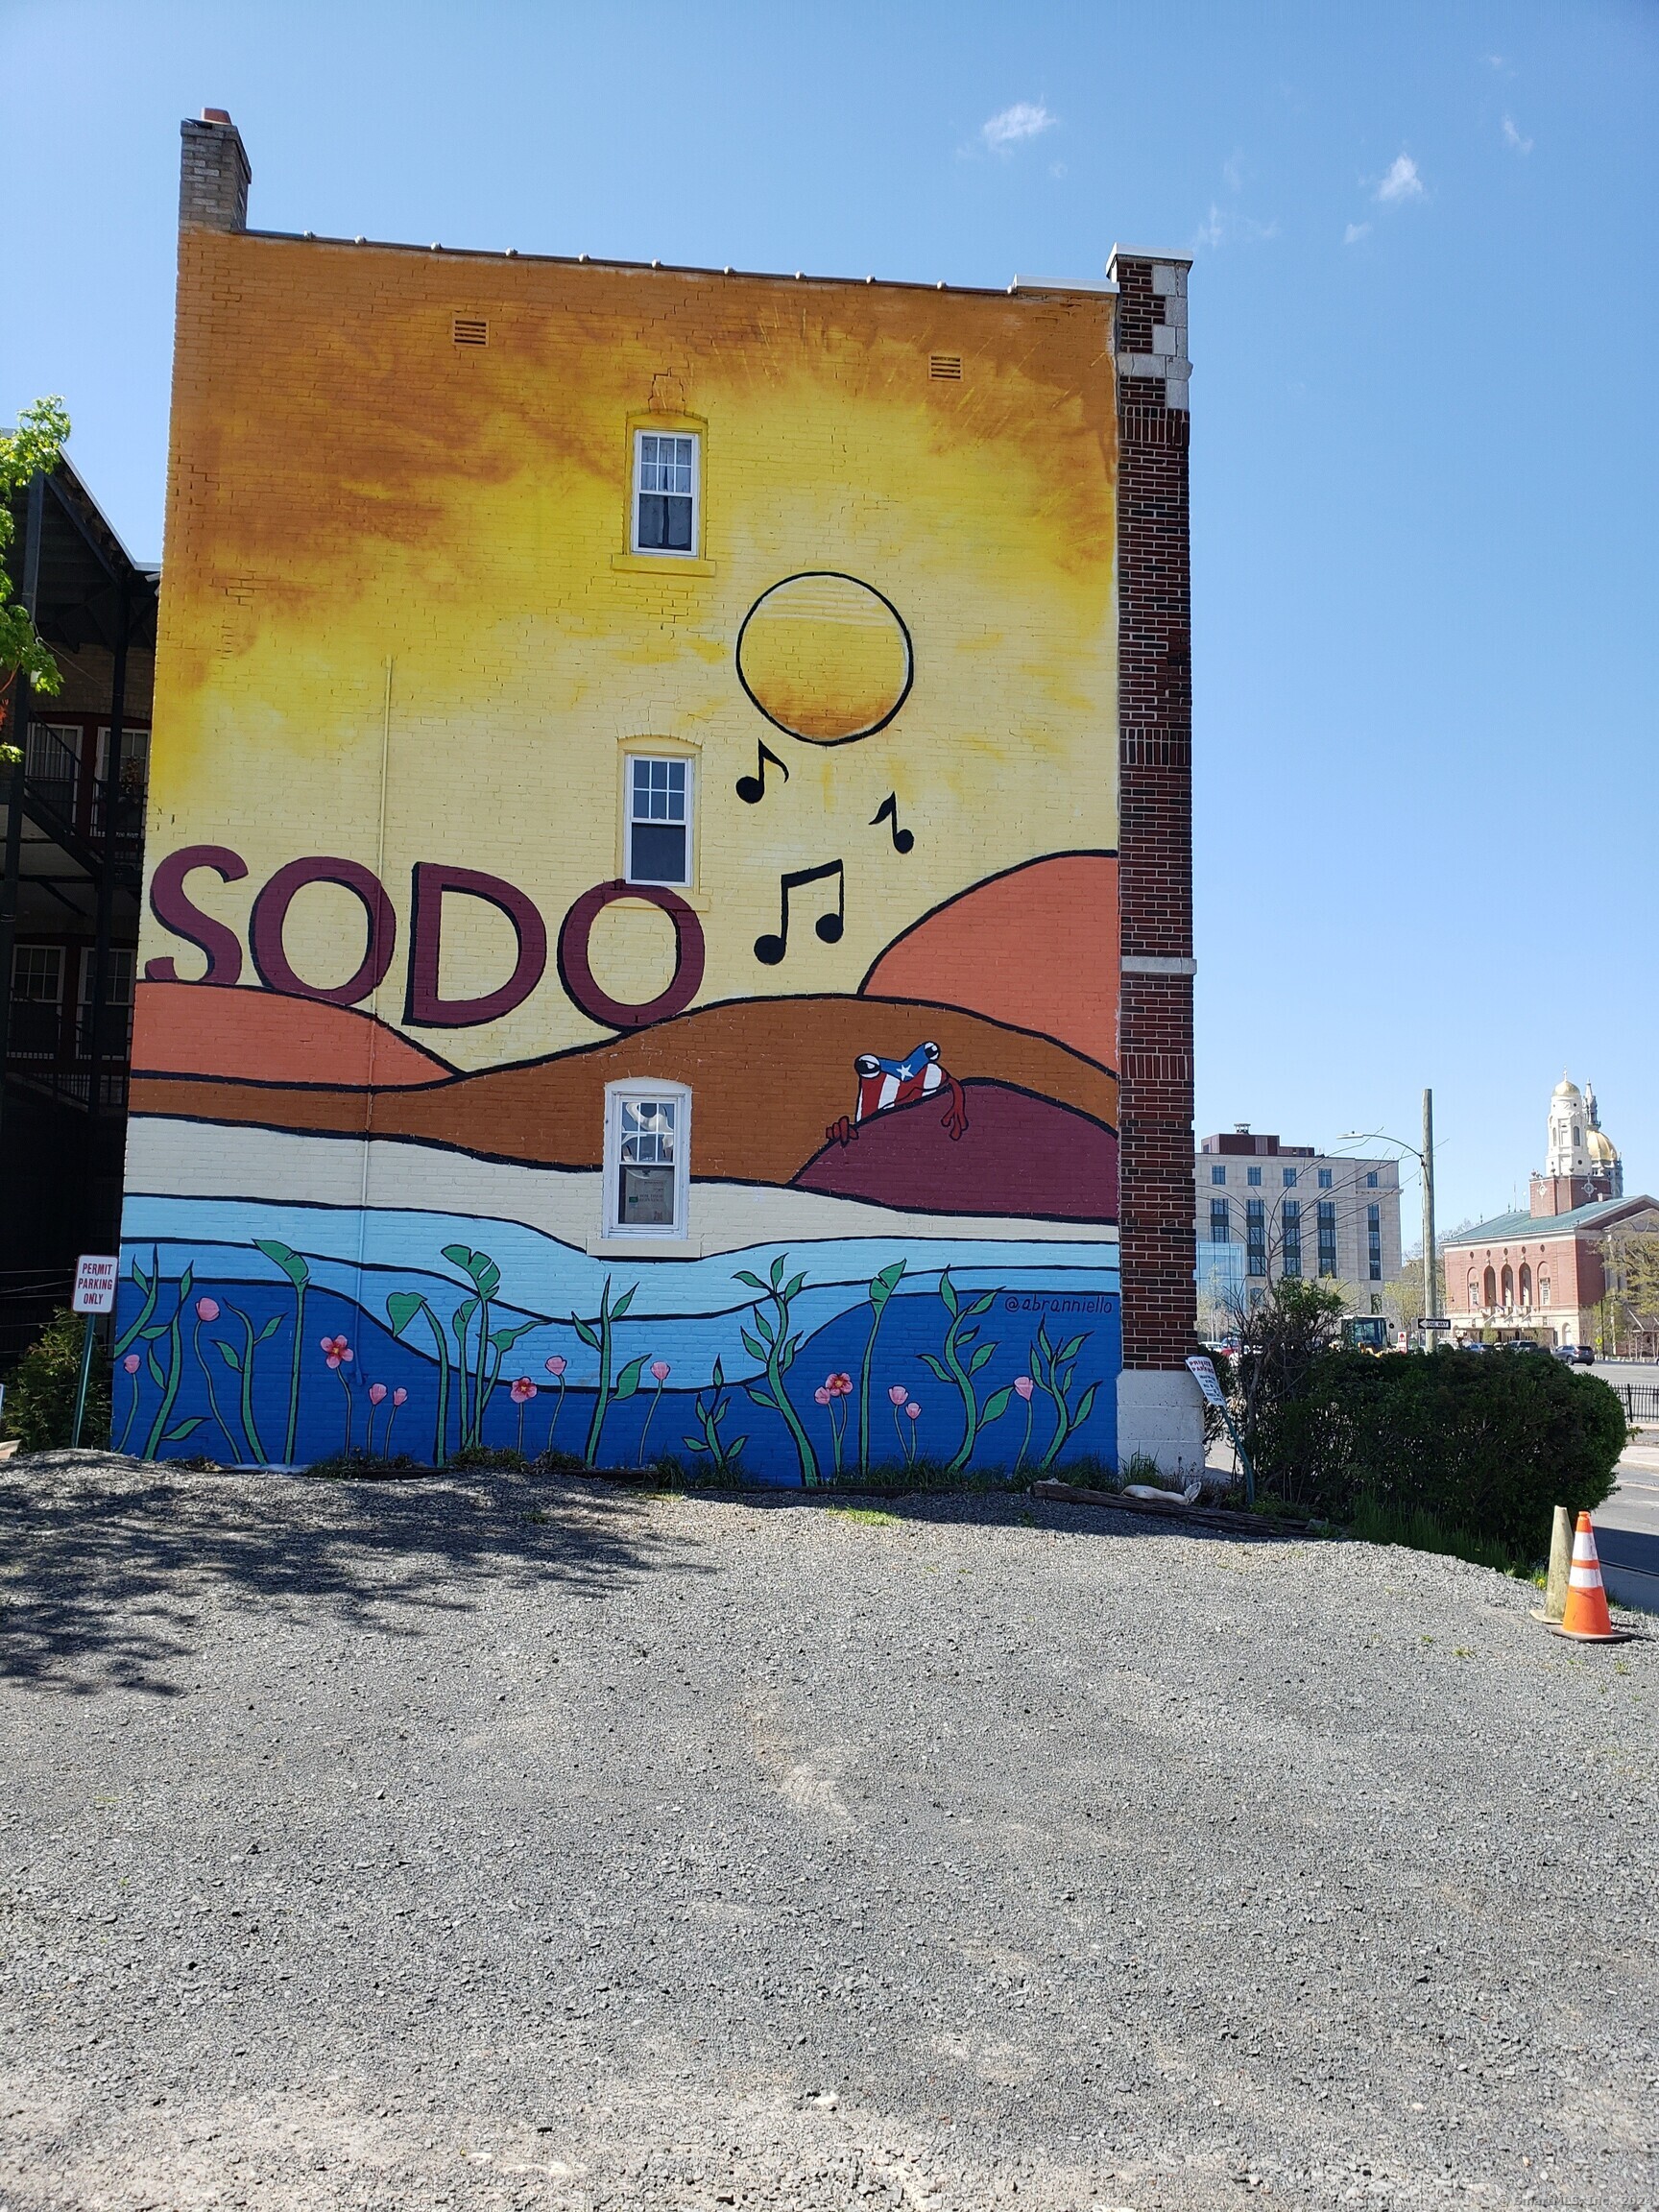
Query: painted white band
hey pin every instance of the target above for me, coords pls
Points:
(1585, 1577)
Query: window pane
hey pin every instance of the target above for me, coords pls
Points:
(657, 854)
(646, 1198)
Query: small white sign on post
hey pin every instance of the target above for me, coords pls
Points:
(1205, 1375)
(95, 1275)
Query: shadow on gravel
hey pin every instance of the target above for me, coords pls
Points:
(111, 1568)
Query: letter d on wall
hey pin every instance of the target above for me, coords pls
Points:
(423, 1006)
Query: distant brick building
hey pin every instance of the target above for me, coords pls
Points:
(1542, 1273)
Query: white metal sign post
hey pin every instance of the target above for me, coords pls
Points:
(95, 1275)
(1203, 1373)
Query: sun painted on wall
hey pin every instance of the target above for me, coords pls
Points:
(680, 687)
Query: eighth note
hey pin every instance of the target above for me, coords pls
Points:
(769, 950)
(752, 789)
(888, 813)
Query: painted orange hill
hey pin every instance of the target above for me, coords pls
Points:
(793, 1055)
(261, 1037)
(1036, 948)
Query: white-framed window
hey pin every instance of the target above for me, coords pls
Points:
(667, 492)
(658, 801)
(647, 1159)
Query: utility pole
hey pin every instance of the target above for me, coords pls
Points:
(1430, 1272)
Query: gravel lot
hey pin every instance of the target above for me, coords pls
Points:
(480, 1843)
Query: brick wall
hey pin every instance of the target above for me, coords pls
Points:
(1155, 769)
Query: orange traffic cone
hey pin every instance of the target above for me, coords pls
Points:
(1586, 1619)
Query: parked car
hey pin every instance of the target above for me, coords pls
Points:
(1576, 1355)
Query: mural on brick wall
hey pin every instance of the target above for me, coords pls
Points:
(631, 958)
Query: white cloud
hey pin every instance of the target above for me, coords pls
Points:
(1402, 181)
(1355, 232)
(1513, 139)
(1025, 119)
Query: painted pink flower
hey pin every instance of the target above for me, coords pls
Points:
(659, 1370)
(400, 1397)
(522, 1390)
(898, 1393)
(206, 1309)
(841, 1385)
(821, 1396)
(913, 1410)
(556, 1365)
(377, 1392)
(336, 1351)
(1023, 1386)
(131, 1363)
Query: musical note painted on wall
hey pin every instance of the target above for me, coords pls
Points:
(888, 813)
(752, 789)
(770, 949)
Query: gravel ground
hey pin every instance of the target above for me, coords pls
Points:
(478, 1844)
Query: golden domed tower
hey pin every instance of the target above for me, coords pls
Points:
(1582, 1164)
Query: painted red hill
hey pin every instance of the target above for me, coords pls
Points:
(261, 1037)
(1036, 948)
(1020, 1156)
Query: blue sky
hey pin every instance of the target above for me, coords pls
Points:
(1424, 329)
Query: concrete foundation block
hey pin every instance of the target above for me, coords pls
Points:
(1160, 1413)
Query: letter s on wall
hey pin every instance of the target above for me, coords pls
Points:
(175, 912)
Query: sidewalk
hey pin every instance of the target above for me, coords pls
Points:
(1627, 1527)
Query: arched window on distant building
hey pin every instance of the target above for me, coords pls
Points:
(1473, 1295)
(1508, 1285)
(1490, 1288)
(1525, 1285)
(1543, 1288)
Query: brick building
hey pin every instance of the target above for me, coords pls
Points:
(71, 820)
(1542, 1273)
(669, 893)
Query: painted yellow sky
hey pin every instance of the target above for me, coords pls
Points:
(401, 622)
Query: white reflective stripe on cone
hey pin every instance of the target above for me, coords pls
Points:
(1585, 1577)
(1583, 1547)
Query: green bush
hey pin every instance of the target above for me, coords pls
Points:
(40, 1392)
(1485, 1446)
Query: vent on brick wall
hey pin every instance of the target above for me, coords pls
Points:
(947, 366)
(471, 330)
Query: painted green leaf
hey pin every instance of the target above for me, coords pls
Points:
(185, 1281)
(936, 1367)
(886, 1282)
(765, 1328)
(628, 1382)
(503, 1339)
(792, 1288)
(1085, 1405)
(775, 1271)
(624, 1301)
(487, 1276)
(269, 1329)
(733, 1449)
(762, 1398)
(694, 1444)
(742, 1275)
(229, 1353)
(401, 1307)
(984, 1303)
(138, 1275)
(948, 1291)
(719, 1379)
(153, 1369)
(459, 1255)
(996, 1405)
(589, 1336)
(979, 1357)
(178, 1435)
(1042, 1336)
(285, 1257)
(752, 1345)
(461, 1320)
(1069, 1351)
(786, 1356)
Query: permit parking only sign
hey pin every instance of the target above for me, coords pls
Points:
(95, 1274)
